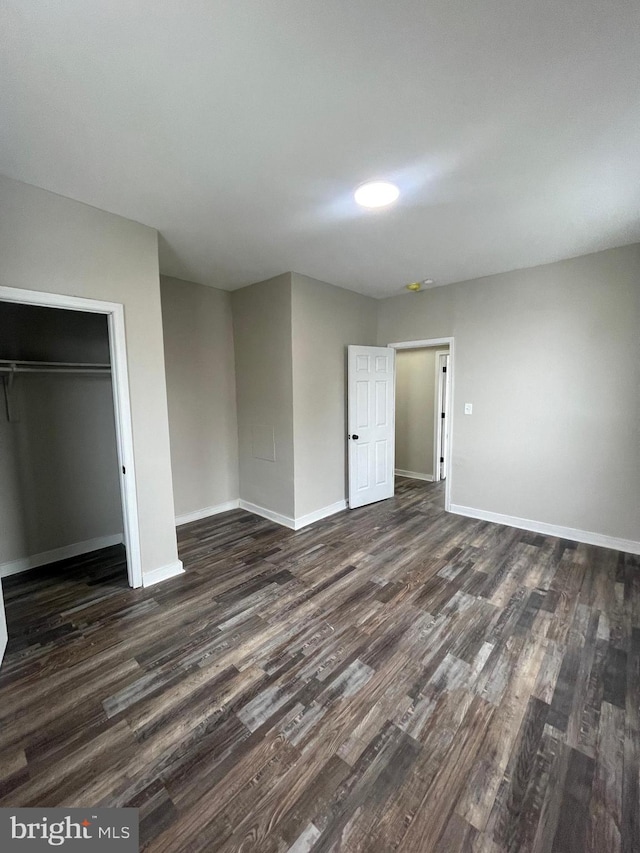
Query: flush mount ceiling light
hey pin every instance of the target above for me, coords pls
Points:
(416, 286)
(376, 194)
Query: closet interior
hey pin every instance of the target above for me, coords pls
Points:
(59, 476)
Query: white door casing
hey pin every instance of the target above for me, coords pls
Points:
(371, 424)
(451, 372)
(122, 406)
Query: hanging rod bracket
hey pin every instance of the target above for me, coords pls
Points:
(7, 382)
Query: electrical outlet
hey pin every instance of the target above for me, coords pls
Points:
(468, 408)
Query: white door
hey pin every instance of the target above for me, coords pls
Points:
(442, 416)
(371, 424)
(3, 626)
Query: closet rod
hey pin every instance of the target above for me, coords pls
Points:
(10, 371)
(10, 367)
(13, 363)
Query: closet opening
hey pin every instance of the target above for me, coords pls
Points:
(66, 451)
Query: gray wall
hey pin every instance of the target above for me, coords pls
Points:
(50, 243)
(415, 407)
(264, 393)
(290, 336)
(550, 359)
(201, 393)
(325, 319)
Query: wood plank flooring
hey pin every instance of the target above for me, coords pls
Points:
(390, 679)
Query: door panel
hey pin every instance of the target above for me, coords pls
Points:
(381, 462)
(382, 393)
(362, 463)
(362, 405)
(371, 424)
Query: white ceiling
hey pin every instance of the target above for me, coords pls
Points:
(239, 129)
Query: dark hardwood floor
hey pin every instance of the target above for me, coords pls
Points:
(392, 678)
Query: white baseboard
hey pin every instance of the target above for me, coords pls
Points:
(284, 520)
(414, 475)
(319, 514)
(14, 567)
(162, 574)
(628, 545)
(206, 512)
(294, 523)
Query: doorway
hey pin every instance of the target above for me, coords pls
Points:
(421, 422)
(428, 421)
(371, 417)
(114, 317)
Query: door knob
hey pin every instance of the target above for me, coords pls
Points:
(355, 437)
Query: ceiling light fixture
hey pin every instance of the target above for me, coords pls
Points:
(416, 286)
(376, 194)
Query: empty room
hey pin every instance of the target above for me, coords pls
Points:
(320, 426)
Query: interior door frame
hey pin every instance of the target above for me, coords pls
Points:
(435, 342)
(121, 404)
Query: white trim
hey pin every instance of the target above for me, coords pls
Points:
(431, 342)
(121, 402)
(414, 475)
(208, 511)
(124, 442)
(319, 514)
(293, 523)
(435, 342)
(163, 573)
(284, 520)
(57, 300)
(628, 545)
(15, 567)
